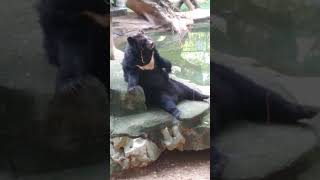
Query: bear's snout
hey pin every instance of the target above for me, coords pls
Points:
(150, 45)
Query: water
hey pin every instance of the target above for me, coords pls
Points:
(191, 57)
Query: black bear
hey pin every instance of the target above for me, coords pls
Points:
(142, 65)
(235, 97)
(75, 40)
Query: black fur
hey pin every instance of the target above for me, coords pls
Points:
(73, 42)
(237, 98)
(159, 89)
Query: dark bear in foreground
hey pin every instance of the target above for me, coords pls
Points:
(142, 65)
(74, 41)
(235, 97)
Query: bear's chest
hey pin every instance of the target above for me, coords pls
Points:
(153, 79)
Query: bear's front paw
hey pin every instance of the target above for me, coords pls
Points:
(177, 114)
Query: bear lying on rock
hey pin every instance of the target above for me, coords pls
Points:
(237, 96)
(143, 66)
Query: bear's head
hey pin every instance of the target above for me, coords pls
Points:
(143, 47)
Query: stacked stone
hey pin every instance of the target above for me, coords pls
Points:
(139, 135)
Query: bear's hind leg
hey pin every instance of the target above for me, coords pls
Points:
(194, 95)
(191, 94)
(168, 103)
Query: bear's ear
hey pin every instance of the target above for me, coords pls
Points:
(131, 41)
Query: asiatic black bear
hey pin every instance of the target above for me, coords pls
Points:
(143, 66)
(236, 97)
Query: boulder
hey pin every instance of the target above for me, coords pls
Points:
(138, 135)
(256, 151)
(122, 103)
(94, 172)
(255, 73)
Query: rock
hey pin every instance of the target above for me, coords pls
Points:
(139, 135)
(198, 137)
(304, 89)
(139, 139)
(137, 152)
(94, 172)
(7, 176)
(257, 150)
(115, 168)
(254, 72)
(118, 54)
(192, 111)
(122, 103)
(313, 172)
(147, 122)
(173, 140)
(138, 124)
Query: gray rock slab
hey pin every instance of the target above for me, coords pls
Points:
(6, 176)
(114, 168)
(198, 138)
(313, 173)
(305, 89)
(253, 71)
(257, 150)
(138, 124)
(191, 109)
(122, 103)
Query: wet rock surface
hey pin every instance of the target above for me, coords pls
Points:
(122, 103)
(257, 151)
